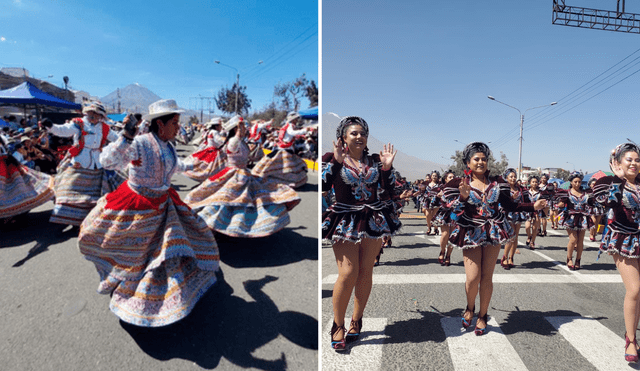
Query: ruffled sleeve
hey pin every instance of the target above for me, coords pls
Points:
(119, 154)
(330, 169)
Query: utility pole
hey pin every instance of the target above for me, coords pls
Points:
(119, 111)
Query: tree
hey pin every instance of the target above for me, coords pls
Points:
(226, 100)
(495, 167)
(562, 174)
(290, 93)
(269, 112)
(312, 94)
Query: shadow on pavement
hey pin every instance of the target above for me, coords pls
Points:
(48, 234)
(224, 325)
(533, 321)
(307, 187)
(282, 248)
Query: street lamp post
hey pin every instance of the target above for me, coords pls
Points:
(521, 127)
(237, 80)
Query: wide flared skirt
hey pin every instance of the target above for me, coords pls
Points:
(575, 221)
(490, 233)
(153, 254)
(353, 226)
(238, 204)
(283, 167)
(78, 190)
(22, 189)
(623, 244)
(211, 161)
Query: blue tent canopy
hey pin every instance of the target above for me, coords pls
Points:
(311, 113)
(117, 117)
(27, 93)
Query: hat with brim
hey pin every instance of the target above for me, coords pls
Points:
(96, 107)
(24, 139)
(232, 123)
(213, 122)
(161, 108)
(292, 116)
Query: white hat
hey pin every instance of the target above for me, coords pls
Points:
(161, 108)
(96, 107)
(213, 122)
(232, 123)
(292, 116)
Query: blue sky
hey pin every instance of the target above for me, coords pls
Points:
(168, 47)
(420, 72)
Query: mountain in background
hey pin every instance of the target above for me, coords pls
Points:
(410, 167)
(133, 98)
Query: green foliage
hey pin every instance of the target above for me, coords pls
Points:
(290, 93)
(226, 100)
(270, 112)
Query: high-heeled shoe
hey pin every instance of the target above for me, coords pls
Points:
(630, 357)
(503, 263)
(447, 260)
(576, 265)
(511, 265)
(377, 261)
(571, 267)
(532, 246)
(338, 345)
(441, 258)
(481, 331)
(528, 242)
(466, 319)
(355, 326)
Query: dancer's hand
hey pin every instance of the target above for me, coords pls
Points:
(387, 155)
(339, 151)
(616, 168)
(540, 204)
(465, 189)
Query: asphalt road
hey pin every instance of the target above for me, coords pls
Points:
(262, 314)
(541, 317)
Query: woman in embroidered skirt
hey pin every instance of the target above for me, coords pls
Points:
(479, 202)
(576, 207)
(621, 238)
(532, 225)
(432, 201)
(515, 218)
(443, 220)
(282, 164)
(236, 203)
(21, 189)
(209, 160)
(596, 215)
(154, 255)
(356, 223)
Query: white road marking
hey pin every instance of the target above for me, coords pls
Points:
(365, 354)
(599, 345)
(404, 279)
(491, 351)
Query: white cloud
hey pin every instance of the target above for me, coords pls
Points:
(3, 38)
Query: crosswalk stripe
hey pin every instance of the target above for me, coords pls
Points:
(599, 345)
(491, 351)
(366, 354)
(403, 279)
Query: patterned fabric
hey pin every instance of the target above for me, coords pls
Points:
(22, 189)
(78, 190)
(152, 253)
(480, 219)
(92, 136)
(621, 235)
(577, 210)
(211, 159)
(444, 214)
(518, 196)
(534, 196)
(283, 167)
(238, 204)
(430, 199)
(364, 206)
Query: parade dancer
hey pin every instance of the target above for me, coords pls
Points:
(596, 215)
(356, 223)
(481, 226)
(154, 255)
(518, 194)
(431, 200)
(443, 220)
(255, 139)
(621, 239)
(21, 188)
(283, 165)
(547, 194)
(533, 221)
(236, 203)
(81, 181)
(210, 160)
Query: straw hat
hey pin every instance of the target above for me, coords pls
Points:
(292, 116)
(232, 123)
(96, 107)
(213, 122)
(161, 108)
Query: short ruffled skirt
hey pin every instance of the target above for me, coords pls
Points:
(517, 217)
(623, 244)
(283, 167)
(431, 202)
(78, 190)
(238, 204)
(575, 221)
(346, 224)
(490, 233)
(211, 159)
(153, 254)
(22, 189)
(442, 217)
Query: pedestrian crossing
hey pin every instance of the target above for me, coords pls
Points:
(598, 345)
